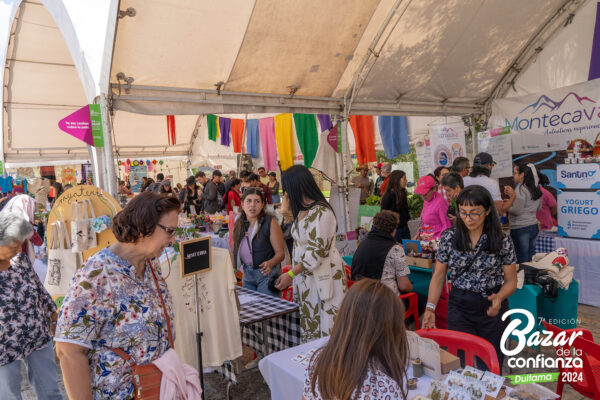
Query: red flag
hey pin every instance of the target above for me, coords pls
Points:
(171, 129)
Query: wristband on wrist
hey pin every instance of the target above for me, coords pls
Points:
(291, 273)
(431, 306)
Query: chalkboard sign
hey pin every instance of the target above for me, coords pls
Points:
(195, 256)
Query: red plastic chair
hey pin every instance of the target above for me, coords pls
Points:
(590, 385)
(413, 308)
(472, 346)
(239, 275)
(348, 271)
(287, 294)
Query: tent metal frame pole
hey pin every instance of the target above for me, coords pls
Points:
(345, 192)
(106, 152)
(96, 166)
(293, 105)
(195, 135)
(226, 93)
(353, 89)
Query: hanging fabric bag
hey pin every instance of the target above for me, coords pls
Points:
(62, 262)
(79, 228)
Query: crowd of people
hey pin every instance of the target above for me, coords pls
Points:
(119, 304)
(202, 193)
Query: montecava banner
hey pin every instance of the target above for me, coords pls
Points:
(85, 124)
(447, 143)
(549, 121)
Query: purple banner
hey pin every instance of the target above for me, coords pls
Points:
(595, 61)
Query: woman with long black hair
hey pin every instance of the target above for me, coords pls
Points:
(395, 199)
(257, 243)
(317, 271)
(481, 261)
(527, 202)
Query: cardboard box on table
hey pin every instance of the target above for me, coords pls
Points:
(436, 362)
(419, 262)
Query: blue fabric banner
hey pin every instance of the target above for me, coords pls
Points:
(394, 135)
(252, 138)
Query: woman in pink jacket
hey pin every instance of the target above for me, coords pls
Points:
(435, 208)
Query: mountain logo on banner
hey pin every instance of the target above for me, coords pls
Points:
(545, 101)
(85, 124)
(334, 138)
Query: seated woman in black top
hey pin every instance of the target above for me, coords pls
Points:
(380, 257)
(396, 200)
(257, 243)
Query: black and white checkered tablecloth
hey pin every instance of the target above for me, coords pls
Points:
(545, 242)
(281, 319)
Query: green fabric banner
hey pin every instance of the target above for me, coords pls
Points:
(308, 138)
(96, 123)
(211, 122)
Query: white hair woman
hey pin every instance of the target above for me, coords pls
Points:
(25, 309)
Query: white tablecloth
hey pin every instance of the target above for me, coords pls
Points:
(285, 377)
(584, 256)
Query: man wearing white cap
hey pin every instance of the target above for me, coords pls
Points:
(483, 163)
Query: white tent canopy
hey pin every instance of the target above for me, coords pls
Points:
(189, 58)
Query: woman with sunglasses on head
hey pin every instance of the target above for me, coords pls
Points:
(522, 213)
(481, 261)
(317, 271)
(114, 303)
(257, 243)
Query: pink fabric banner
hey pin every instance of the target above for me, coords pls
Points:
(266, 129)
(78, 125)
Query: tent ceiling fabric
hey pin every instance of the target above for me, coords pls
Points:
(41, 85)
(182, 43)
(304, 44)
(454, 50)
(433, 59)
(435, 54)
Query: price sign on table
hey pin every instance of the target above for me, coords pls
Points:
(195, 256)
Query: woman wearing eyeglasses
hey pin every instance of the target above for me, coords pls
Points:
(113, 302)
(480, 259)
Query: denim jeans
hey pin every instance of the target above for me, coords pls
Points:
(255, 280)
(524, 241)
(42, 375)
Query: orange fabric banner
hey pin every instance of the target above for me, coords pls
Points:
(237, 134)
(364, 136)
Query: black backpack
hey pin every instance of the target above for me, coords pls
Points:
(534, 276)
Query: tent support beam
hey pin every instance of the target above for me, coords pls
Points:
(234, 105)
(343, 192)
(106, 152)
(531, 50)
(285, 97)
(357, 81)
(194, 135)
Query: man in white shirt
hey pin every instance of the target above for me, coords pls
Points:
(480, 175)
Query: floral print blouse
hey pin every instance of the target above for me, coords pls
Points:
(25, 307)
(109, 306)
(477, 271)
(377, 385)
